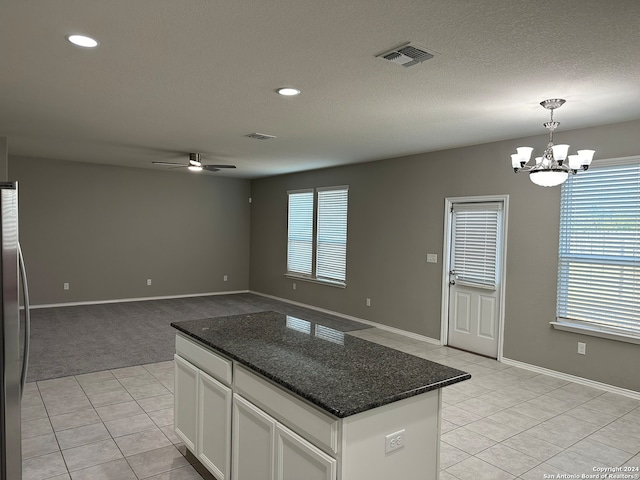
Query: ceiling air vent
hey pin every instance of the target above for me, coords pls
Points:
(260, 136)
(407, 55)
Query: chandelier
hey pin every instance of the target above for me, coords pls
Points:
(554, 166)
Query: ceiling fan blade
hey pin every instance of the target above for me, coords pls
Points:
(171, 164)
(221, 166)
(210, 168)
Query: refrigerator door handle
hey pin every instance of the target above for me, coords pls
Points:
(27, 321)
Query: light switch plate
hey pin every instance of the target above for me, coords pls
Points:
(432, 258)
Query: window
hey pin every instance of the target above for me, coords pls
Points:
(331, 242)
(317, 236)
(599, 255)
(476, 230)
(300, 237)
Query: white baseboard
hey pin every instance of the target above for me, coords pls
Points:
(381, 326)
(573, 378)
(140, 299)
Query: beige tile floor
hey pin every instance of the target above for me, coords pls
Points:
(504, 423)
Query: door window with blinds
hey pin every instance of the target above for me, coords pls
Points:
(599, 254)
(476, 228)
(317, 234)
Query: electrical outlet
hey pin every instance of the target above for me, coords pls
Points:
(225, 278)
(368, 302)
(148, 282)
(582, 348)
(294, 286)
(394, 441)
(65, 286)
(432, 258)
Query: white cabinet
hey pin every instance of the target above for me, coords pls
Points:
(185, 402)
(203, 405)
(298, 459)
(254, 436)
(242, 426)
(264, 449)
(213, 447)
(312, 445)
(307, 421)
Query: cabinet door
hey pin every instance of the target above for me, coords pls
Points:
(297, 459)
(185, 402)
(214, 425)
(253, 442)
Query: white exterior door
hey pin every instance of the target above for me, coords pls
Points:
(475, 276)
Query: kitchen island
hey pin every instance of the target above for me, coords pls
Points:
(271, 396)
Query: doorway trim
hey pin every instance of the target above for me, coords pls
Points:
(446, 255)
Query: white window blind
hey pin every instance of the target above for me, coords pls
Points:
(300, 232)
(331, 245)
(599, 254)
(476, 227)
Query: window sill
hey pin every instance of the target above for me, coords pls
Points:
(595, 331)
(330, 283)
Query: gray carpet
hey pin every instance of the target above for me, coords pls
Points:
(90, 338)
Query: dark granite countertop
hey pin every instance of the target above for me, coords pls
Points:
(339, 373)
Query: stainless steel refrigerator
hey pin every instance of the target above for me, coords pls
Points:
(14, 352)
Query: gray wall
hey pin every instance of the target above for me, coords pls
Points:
(396, 216)
(106, 229)
(4, 159)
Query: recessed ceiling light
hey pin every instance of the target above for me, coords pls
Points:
(82, 41)
(288, 91)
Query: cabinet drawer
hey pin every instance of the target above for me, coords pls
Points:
(215, 365)
(311, 423)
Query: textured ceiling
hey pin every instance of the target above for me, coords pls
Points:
(171, 77)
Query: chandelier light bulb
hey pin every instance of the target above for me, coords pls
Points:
(515, 160)
(574, 162)
(560, 152)
(586, 156)
(525, 153)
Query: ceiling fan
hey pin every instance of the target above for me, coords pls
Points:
(195, 164)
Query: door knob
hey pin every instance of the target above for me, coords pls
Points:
(452, 282)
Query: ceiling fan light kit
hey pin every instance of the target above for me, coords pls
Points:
(555, 165)
(194, 160)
